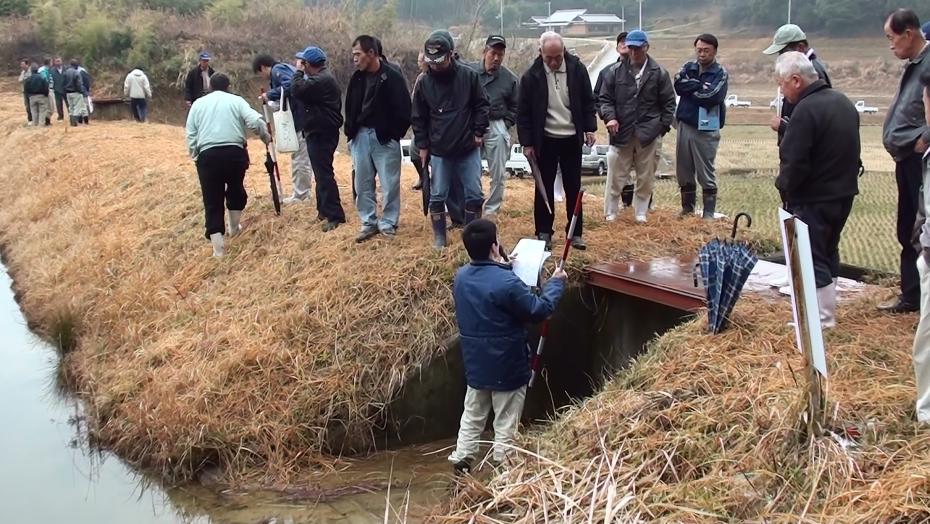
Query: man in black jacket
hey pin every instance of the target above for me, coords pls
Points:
(637, 102)
(197, 83)
(555, 115)
(819, 168)
(450, 119)
(377, 117)
(36, 90)
(318, 89)
(58, 86)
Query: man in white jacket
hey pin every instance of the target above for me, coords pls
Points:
(137, 89)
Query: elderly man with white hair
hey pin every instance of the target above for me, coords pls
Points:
(555, 116)
(819, 169)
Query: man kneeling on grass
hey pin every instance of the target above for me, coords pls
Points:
(216, 139)
(492, 307)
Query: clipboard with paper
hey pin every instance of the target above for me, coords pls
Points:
(530, 255)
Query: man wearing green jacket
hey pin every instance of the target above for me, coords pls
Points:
(216, 139)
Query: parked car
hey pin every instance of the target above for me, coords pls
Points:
(405, 151)
(778, 100)
(517, 165)
(594, 159)
(734, 101)
(862, 108)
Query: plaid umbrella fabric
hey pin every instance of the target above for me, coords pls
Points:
(725, 267)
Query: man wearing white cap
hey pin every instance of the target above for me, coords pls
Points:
(790, 37)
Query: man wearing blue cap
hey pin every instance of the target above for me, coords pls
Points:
(926, 31)
(450, 119)
(637, 102)
(321, 95)
(198, 80)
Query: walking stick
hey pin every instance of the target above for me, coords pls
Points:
(271, 159)
(536, 365)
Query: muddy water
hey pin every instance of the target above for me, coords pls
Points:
(47, 474)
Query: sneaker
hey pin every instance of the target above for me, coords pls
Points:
(365, 234)
(898, 307)
(640, 219)
(389, 234)
(611, 218)
(579, 244)
(294, 200)
(462, 467)
(331, 225)
(547, 238)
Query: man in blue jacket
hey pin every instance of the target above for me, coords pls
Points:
(702, 86)
(492, 307)
(279, 76)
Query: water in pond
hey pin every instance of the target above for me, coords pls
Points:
(47, 475)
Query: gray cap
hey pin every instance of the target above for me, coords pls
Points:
(786, 34)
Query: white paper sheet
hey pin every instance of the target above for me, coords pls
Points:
(530, 256)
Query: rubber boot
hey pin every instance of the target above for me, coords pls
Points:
(626, 195)
(640, 208)
(218, 248)
(710, 203)
(86, 120)
(826, 301)
(473, 213)
(235, 218)
(73, 120)
(439, 230)
(688, 199)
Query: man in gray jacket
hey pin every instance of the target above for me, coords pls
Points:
(637, 102)
(906, 137)
(501, 86)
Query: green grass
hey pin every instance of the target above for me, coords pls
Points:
(747, 164)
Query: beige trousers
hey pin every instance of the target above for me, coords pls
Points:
(621, 161)
(507, 407)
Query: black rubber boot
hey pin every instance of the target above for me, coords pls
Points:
(473, 212)
(438, 221)
(710, 203)
(626, 195)
(73, 121)
(688, 199)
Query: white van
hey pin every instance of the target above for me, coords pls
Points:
(517, 165)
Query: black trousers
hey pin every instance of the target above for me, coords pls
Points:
(222, 171)
(28, 107)
(908, 175)
(60, 101)
(321, 147)
(564, 153)
(138, 107)
(825, 221)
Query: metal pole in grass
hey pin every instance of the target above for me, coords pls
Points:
(536, 364)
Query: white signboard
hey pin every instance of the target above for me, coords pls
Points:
(804, 300)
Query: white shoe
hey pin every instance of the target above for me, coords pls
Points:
(826, 303)
(785, 290)
(640, 219)
(218, 248)
(234, 223)
(640, 208)
(611, 218)
(294, 200)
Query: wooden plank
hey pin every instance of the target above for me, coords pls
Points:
(667, 281)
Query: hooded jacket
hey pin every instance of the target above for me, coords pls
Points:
(647, 111)
(449, 110)
(389, 114)
(492, 308)
(137, 85)
(819, 155)
(533, 101)
(322, 98)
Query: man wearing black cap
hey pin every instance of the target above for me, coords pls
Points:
(197, 83)
(319, 91)
(450, 120)
(501, 86)
(556, 115)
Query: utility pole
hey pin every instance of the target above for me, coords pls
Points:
(641, 14)
(623, 18)
(789, 11)
(550, 9)
(502, 18)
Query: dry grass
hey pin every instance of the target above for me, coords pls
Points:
(705, 428)
(252, 361)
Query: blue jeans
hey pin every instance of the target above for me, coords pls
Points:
(467, 168)
(139, 108)
(370, 157)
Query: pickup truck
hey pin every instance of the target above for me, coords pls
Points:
(517, 165)
(734, 101)
(862, 108)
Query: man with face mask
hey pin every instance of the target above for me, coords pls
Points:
(555, 116)
(501, 86)
(450, 121)
(702, 85)
(637, 102)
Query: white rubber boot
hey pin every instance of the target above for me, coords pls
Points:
(218, 248)
(640, 208)
(234, 219)
(826, 301)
